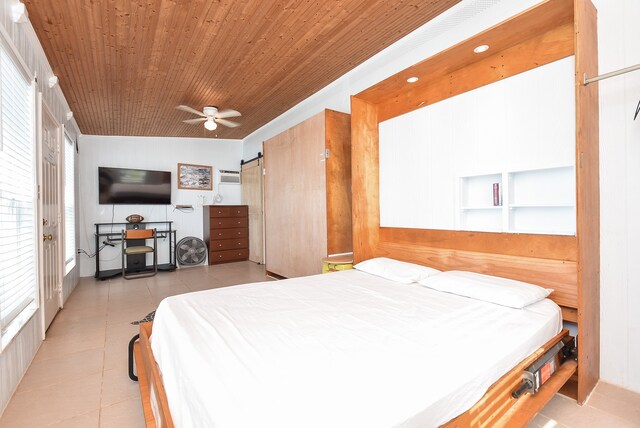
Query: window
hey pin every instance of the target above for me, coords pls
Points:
(18, 207)
(69, 206)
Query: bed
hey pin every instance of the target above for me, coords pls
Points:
(346, 349)
(552, 30)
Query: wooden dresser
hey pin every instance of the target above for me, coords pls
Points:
(226, 232)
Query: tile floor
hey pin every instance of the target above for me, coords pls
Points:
(79, 376)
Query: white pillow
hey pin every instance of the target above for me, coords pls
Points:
(501, 291)
(396, 270)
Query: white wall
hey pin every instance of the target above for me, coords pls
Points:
(521, 123)
(15, 359)
(153, 153)
(619, 46)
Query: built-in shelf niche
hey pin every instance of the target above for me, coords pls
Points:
(540, 201)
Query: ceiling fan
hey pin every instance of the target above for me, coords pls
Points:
(211, 116)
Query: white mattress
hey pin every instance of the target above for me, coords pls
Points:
(345, 349)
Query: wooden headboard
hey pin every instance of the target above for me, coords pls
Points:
(552, 30)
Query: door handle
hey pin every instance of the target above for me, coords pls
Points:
(48, 237)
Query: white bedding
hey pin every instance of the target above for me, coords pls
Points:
(345, 349)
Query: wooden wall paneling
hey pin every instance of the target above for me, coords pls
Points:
(295, 211)
(556, 274)
(365, 179)
(540, 19)
(521, 244)
(338, 173)
(252, 196)
(588, 199)
(544, 48)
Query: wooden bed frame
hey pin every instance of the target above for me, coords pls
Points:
(552, 30)
(496, 408)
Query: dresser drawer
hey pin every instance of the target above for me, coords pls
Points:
(229, 244)
(221, 211)
(228, 223)
(228, 256)
(242, 232)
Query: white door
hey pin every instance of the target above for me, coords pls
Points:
(50, 207)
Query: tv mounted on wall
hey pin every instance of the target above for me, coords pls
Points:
(134, 186)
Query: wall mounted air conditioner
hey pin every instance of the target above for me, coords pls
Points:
(228, 177)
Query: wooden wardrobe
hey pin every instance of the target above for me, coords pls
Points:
(308, 194)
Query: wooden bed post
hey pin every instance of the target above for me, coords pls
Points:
(364, 179)
(588, 199)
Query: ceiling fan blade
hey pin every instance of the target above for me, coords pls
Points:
(190, 110)
(227, 112)
(195, 121)
(228, 123)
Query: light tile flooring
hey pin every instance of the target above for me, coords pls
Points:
(79, 376)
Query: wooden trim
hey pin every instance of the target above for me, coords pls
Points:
(569, 314)
(274, 275)
(588, 199)
(365, 179)
(541, 49)
(525, 245)
(497, 408)
(338, 176)
(150, 381)
(559, 275)
(547, 16)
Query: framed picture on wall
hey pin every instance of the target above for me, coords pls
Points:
(195, 177)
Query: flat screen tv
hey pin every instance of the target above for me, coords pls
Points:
(134, 186)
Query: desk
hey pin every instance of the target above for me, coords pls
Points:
(113, 231)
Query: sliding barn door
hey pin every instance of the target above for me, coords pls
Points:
(252, 191)
(295, 199)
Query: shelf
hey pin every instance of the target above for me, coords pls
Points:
(538, 232)
(498, 207)
(567, 205)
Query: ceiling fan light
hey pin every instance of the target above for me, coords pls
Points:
(210, 124)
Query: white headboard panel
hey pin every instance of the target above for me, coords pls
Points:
(525, 122)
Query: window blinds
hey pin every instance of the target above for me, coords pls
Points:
(69, 206)
(18, 255)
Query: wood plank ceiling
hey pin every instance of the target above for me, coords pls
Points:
(124, 65)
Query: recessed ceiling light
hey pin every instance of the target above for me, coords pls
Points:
(412, 79)
(481, 48)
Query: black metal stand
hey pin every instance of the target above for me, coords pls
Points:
(114, 231)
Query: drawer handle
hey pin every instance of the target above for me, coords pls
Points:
(239, 254)
(219, 245)
(238, 233)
